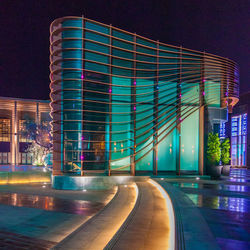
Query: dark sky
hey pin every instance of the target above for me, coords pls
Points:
(221, 27)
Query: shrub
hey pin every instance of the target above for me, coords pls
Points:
(213, 149)
(225, 148)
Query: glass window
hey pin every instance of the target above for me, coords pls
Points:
(96, 37)
(122, 35)
(96, 27)
(96, 47)
(96, 57)
(23, 136)
(146, 42)
(123, 45)
(5, 130)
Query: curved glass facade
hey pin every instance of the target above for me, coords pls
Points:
(124, 103)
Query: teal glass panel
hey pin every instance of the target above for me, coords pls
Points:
(72, 23)
(212, 93)
(190, 93)
(96, 37)
(96, 27)
(96, 57)
(122, 35)
(121, 44)
(71, 98)
(190, 142)
(72, 64)
(121, 124)
(145, 50)
(146, 42)
(167, 103)
(76, 54)
(144, 124)
(122, 72)
(96, 47)
(69, 44)
(146, 58)
(122, 63)
(122, 54)
(167, 152)
(72, 33)
(146, 163)
(96, 67)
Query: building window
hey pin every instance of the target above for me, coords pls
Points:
(4, 130)
(22, 134)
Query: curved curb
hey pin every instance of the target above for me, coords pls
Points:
(72, 234)
(125, 224)
(192, 231)
(171, 213)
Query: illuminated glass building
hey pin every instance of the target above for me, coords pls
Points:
(122, 103)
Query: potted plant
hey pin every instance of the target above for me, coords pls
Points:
(214, 155)
(225, 156)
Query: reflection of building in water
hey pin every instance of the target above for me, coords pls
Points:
(13, 114)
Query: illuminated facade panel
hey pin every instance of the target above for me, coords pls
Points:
(124, 103)
(239, 140)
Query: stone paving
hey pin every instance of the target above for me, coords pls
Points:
(225, 205)
(38, 217)
(215, 214)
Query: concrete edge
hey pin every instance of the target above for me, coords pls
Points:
(125, 224)
(192, 230)
(64, 182)
(59, 244)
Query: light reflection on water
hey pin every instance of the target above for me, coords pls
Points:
(221, 202)
(51, 203)
(19, 168)
(225, 187)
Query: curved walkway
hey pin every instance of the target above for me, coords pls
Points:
(137, 218)
(148, 226)
(97, 232)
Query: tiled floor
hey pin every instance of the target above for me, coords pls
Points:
(14, 241)
(225, 205)
(49, 203)
(34, 216)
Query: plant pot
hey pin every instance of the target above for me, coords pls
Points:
(226, 170)
(215, 172)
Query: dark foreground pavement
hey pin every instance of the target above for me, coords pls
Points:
(224, 204)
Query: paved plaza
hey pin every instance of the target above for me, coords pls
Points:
(210, 214)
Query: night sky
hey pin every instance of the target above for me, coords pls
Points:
(220, 27)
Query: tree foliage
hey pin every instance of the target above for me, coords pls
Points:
(213, 149)
(225, 148)
(41, 139)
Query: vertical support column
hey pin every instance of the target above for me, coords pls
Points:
(14, 144)
(133, 110)
(201, 119)
(178, 117)
(82, 83)
(156, 101)
(110, 99)
(38, 116)
(201, 140)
